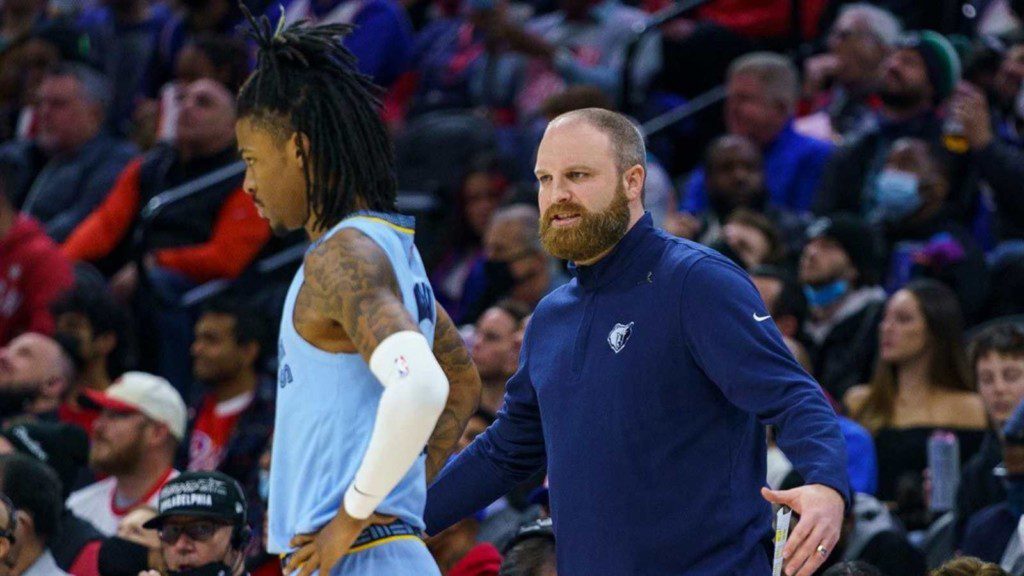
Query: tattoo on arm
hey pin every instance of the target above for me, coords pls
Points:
(463, 392)
(356, 287)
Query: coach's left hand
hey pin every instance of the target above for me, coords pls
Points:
(321, 551)
(821, 518)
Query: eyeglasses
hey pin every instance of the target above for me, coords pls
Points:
(198, 531)
(12, 520)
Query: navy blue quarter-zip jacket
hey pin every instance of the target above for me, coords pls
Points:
(644, 385)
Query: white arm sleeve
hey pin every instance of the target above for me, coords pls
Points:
(415, 392)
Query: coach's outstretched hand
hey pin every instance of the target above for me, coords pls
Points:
(821, 518)
(321, 551)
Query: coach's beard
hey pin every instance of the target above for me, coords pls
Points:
(594, 234)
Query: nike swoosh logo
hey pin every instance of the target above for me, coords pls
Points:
(761, 318)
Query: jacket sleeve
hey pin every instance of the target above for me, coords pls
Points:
(238, 235)
(748, 361)
(51, 276)
(1002, 166)
(101, 231)
(507, 453)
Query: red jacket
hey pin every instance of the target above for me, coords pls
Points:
(762, 18)
(33, 273)
(484, 560)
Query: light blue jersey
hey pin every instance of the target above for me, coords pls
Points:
(327, 404)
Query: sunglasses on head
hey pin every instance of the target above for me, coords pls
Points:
(197, 531)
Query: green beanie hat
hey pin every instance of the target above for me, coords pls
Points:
(940, 59)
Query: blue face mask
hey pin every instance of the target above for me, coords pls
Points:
(896, 196)
(264, 484)
(827, 294)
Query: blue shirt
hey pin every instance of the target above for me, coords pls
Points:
(861, 464)
(793, 164)
(327, 404)
(644, 386)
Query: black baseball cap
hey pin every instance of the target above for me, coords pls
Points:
(857, 239)
(63, 447)
(212, 495)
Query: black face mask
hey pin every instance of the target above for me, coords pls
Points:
(499, 277)
(14, 400)
(211, 569)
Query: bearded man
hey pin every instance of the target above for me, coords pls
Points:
(134, 441)
(644, 387)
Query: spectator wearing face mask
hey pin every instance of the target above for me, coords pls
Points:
(922, 237)
(202, 526)
(838, 272)
(516, 266)
(916, 79)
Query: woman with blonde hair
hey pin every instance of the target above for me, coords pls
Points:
(922, 383)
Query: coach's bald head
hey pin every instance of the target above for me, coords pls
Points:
(591, 167)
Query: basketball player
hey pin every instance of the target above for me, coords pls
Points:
(367, 358)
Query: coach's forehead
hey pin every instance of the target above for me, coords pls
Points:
(572, 140)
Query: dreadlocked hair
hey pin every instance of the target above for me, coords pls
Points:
(306, 82)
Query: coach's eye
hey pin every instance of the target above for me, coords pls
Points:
(576, 175)
(544, 179)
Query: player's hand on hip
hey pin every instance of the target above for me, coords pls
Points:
(821, 519)
(322, 550)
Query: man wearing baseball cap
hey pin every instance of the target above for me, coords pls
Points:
(134, 441)
(202, 525)
(916, 79)
(839, 273)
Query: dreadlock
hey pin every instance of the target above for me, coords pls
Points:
(307, 82)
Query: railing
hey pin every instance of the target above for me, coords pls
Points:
(408, 201)
(663, 16)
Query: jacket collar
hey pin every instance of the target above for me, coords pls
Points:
(618, 260)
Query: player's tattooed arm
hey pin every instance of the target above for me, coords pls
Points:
(355, 286)
(463, 392)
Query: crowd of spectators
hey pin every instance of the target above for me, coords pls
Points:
(864, 162)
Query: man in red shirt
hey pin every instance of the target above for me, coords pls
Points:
(33, 272)
(231, 424)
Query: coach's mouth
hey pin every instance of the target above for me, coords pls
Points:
(564, 220)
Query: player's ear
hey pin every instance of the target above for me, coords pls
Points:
(298, 148)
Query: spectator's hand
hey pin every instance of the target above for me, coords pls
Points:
(818, 72)
(321, 551)
(124, 283)
(131, 528)
(149, 573)
(821, 518)
(970, 107)
(682, 224)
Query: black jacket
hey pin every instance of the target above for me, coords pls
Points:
(846, 357)
(848, 172)
(979, 487)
